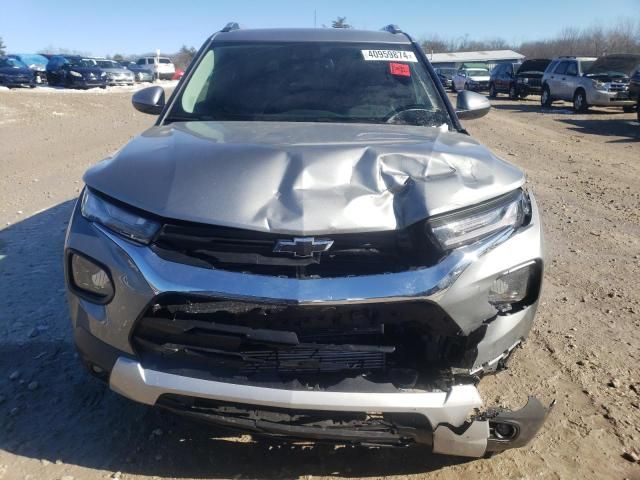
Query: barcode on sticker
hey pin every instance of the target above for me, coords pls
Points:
(386, 55)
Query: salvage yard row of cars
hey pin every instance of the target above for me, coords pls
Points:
(74, 71)
(608, 81)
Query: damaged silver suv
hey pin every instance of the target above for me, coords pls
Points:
(307, 244)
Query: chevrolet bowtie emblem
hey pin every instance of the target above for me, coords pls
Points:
(302, 247)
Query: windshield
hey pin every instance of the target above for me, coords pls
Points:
(477, 72)
(33, 59)
(81, 62)
(311, 82)
(108, 64)
(11, 63)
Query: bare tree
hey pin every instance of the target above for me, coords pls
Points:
(2, 47)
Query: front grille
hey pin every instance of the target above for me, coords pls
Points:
(248, 339)
(247, 251)
(618, 87)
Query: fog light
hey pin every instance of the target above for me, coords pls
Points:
(511, 287)
(90, 278)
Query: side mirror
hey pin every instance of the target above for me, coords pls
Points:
(149, 100)
(471, 105)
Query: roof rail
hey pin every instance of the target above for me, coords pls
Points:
(229, 27)
(391, 29)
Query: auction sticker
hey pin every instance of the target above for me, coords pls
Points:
(386, 55)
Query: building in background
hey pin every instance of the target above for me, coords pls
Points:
(485, 59)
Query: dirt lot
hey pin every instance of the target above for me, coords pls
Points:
(56, 422)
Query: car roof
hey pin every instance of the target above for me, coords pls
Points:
(346, 35)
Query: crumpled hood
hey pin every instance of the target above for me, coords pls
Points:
(302, 178)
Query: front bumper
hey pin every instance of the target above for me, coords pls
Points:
(610, 99)
(458, 285)
(121, 81)
(84, 83)
(442, 410)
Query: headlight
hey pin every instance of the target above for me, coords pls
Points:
(75, 74)
(122, 221)
(470, 225)
(103, 74)
(598, 85)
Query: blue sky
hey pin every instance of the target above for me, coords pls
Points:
(135, 26)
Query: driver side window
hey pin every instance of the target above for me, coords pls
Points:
(572, 69)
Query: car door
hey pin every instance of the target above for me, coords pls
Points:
(497, 77)
(460, 79)
(570, 80)
(58, 72)
(555, 80)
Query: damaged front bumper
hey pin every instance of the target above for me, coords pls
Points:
(452, 427)
(451, 294)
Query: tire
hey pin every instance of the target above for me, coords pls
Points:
(545, 99)
(513, 92)
(638, 111)
(580, 104)
(466, 86)
(453, 87)
(492, 91)
(629, 109)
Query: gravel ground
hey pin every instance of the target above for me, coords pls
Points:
(58, 423)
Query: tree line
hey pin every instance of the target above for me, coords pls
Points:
(594, 41)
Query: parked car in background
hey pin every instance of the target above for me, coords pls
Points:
(36, 62)
(159, 67)
(518, 79)
(116, 73)
(140, 72)
(73, 71)
(503, 80)
(445, 75)
(529, 76)
(474, 79)
(14, 73)
(602, 82)
(400, 261)
(634, 90)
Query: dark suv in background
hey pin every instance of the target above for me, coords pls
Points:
(518, 79)
(445, 75)
(75, 71)
(503, 80)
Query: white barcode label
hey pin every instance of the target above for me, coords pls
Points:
(386, 55)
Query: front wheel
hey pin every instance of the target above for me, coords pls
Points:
(545, 98)
(513, 92)
(492, 91)
(628, 108)
(580, 102)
